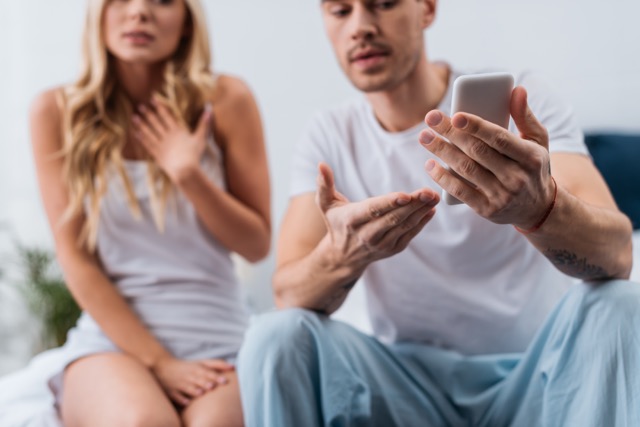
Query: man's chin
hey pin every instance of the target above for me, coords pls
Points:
(371, 84)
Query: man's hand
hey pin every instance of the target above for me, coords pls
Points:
(509, 177)
(376, 228)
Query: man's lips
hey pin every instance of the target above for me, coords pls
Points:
(368, 54)
(369, 59)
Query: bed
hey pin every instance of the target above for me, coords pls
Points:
(26, 402)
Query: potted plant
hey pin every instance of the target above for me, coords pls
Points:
(47, 296)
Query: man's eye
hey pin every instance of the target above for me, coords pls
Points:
(339, 11)
(384, 5)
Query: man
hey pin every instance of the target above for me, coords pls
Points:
(475, 323)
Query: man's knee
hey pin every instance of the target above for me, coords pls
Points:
(279, 337)
(611, 304)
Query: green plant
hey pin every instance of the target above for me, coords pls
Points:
(47, 295)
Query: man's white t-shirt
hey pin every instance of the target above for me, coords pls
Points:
(463, 283)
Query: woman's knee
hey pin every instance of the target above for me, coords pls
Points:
(128, 414)
(143, 416)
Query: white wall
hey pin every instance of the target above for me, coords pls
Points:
(587, 49)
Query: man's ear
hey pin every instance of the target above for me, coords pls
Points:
(429, 12)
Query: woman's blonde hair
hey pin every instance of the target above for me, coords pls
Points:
(97, 113)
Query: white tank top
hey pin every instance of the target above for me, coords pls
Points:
(180, 282)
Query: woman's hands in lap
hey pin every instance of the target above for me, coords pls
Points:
(186, 380)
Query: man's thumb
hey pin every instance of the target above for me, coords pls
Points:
(325, 194)
(528, 125)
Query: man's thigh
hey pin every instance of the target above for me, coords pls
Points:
(337, 374)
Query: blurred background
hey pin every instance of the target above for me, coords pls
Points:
(586, 49)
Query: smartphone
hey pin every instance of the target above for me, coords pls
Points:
(485, 95)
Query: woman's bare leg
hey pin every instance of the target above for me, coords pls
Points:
(113, 389)
(219, 407)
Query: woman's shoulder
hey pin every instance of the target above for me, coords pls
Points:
(48, 104)
(45, 118)
(231, 91)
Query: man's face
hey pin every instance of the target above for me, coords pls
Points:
(378, 42)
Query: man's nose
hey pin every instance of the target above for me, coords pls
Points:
(364, 24)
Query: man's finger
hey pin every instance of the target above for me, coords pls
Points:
(395, 224)
(496, 137)
(377, 207)
(325, 194)
(403, 241)
(528, 124)
(453, 185)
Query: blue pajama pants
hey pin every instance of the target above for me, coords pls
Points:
(301, 369)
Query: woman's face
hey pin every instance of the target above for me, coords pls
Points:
(144, 31)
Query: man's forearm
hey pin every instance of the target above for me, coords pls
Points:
(316, 282)
(585, 241)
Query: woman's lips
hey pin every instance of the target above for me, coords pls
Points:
(139, 38)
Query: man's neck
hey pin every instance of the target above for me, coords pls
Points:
(406, 105)
(139, 81)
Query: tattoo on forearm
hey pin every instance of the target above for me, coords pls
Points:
(578, 267)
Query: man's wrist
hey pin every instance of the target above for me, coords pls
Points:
(337, 263)
(545, 216)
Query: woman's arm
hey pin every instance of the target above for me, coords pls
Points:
(94, 292)
(87, 282)
(239, 218)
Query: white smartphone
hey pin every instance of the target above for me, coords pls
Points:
(485, 95)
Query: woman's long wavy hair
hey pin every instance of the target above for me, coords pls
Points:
(97, 115)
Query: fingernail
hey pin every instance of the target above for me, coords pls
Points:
(403, 201)
(210, 385)
(460, 122)
(434, 118)
(425, 198)
(142, 108)
(430, 165)
(222, 380)
(427, 137)
(207, 107)
(136, 118)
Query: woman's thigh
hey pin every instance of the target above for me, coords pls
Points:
(218, 407)
(113, 389)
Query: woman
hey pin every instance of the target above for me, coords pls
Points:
(152, 171)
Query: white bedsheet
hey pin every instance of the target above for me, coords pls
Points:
(25, 400)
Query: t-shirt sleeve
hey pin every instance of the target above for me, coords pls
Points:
(311, 149)
(556, 115)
